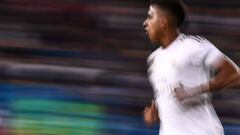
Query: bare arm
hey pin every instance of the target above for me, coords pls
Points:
(227, 77)
(235, 83)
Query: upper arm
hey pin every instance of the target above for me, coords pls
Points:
(226, 75)
(213, 59)
(224, 67)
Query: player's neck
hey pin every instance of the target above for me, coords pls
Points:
(169, 38)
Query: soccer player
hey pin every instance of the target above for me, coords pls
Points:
(179, 71)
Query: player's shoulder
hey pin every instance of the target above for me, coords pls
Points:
(197, 42)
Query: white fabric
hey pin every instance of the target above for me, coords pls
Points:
(187, 61)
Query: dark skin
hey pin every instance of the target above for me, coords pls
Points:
(234, 81)
(161, 30)
(150, 114)
(227, 77)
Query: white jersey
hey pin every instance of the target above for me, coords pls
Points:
(187, 61)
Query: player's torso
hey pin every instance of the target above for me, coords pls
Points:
(168, 68)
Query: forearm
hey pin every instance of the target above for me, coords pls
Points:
(219, 82)
(234, 82)
(228, 76)
(224, 79)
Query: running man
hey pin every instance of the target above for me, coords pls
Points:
(179, 71)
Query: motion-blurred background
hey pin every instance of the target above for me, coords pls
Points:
(78, 67)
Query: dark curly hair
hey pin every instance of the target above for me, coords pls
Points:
(174, 7)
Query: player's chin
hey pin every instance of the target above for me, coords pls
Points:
(153, 40)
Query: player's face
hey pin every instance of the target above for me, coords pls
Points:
(154, 24)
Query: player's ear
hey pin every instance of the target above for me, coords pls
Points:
(164, 23)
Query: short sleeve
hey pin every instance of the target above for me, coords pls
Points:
(205, 53)
(212, 55)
